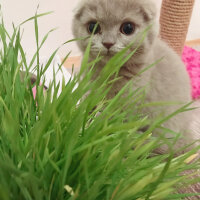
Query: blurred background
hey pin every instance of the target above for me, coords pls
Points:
(16, 11)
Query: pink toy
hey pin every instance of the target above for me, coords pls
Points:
(34, 90)
(191, 58)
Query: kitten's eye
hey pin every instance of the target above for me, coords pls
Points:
(127, 28)
(91, 27)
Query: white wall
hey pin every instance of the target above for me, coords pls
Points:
(18, 10)
(194, 29)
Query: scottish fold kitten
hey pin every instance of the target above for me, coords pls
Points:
(119, 22)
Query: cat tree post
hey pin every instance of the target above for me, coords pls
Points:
(174, 22)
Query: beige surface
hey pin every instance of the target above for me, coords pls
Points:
(192, 43)
(73, 62)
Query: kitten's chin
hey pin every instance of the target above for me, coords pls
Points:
(108, 54)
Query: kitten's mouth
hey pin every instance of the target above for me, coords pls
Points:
(109, 53)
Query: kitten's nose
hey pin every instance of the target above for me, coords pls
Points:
(107, 45)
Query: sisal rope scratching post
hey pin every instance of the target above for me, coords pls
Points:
(174, 22)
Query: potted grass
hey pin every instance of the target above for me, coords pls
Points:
(75, 146)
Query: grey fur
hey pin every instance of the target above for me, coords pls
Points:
(168, 80)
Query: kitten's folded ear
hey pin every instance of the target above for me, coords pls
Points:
(78, 11)
(148, 11)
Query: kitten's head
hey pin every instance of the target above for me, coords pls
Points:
(119, 22)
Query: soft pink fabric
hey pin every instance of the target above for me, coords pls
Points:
(191, 58)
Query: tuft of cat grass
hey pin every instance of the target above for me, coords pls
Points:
(77, 146)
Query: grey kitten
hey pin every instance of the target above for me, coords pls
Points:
(120, 21)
